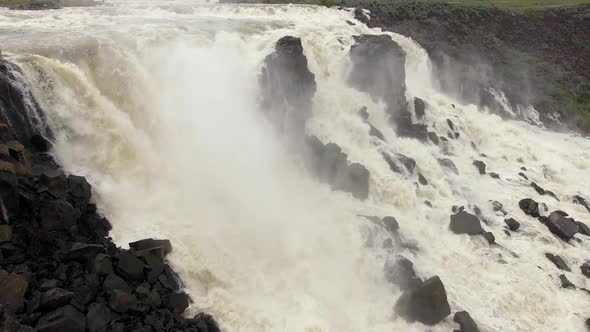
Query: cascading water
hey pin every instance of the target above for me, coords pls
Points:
(156, 102)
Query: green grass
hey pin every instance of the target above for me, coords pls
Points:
(11, 3)
(520, 4)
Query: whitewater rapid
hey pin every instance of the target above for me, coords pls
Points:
(156, 103)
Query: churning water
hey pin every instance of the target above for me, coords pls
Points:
(156, 103)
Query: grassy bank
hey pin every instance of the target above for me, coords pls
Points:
(520, 4)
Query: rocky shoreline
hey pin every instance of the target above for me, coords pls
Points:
(59, 269)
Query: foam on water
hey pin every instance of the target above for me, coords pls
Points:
(156, 102)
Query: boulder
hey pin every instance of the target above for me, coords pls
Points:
(565, 283)
(466, 323)
(56, 215)
(100, 264)
(448, 164)
(121, 301)
(331, 166)
(529, 207)
(563, 227)
(79, 191)
(542, 191)
(583, 228)
(64, 319)
(512, 224)
(433, 137)
(84, 251)
(10, 324)
(152, 244)
(489, 236)
(465, 223)
(494, 175)
(481, 166)
(56, 182)
(12, 291)
(177, 302)
(419, 107)
(585, 269)
(40, 143)
(558, 261)
(99, 316)
(130, 266)
(5, 233)
(113, 282)
(287, 86)
(399, 163)
(426, 303)
(577, 199)
(390, 224)
(400, 271)
(378, 68)
(422, 179)
(55, 298)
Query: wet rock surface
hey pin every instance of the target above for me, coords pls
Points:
(426, 303)
(331, 166)
(59, 270)
(287, 86)
(466, 323)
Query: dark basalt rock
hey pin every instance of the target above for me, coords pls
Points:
(390, 224)
(433, 137)
(400, 272)
(494, 175)
(152, 244)
(542, 191)
(565, 283)
(64, 319)
(422, 179)
(84, 251)
(56, 257)
(512, 224)
(399, 163)
(558, 261)
(287, 86)
(466, 323)
(585, 269)
(582, 201)
(331, 166)
(130, 266)
(529, 207)
(583, 228)
(178, 302)
(57, 215)
(12, 291)
(5, 233)
(481, 166)
(419, 107)
(55, 298)
(426, 304)
(465, 223)
(489, 236)
(563, 227)
(99, 317)
(378, 68)
(448, 164)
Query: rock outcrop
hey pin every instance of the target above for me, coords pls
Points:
(287, 87)
(331, 166)
(59, 270)
(426, 303)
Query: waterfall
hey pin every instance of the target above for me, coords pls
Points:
(156, 102)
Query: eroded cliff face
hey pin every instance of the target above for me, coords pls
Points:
(537, 58)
